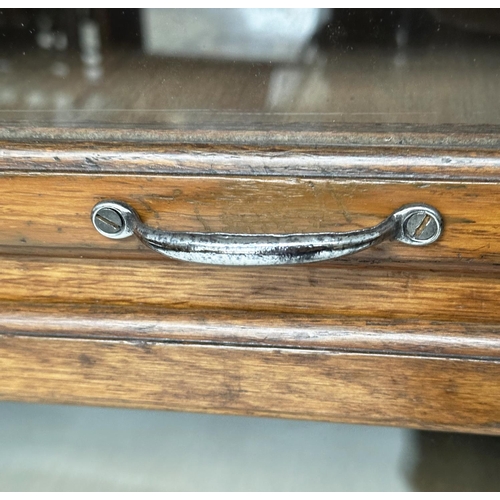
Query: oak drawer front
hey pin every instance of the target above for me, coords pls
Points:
(47, 211)
(102, 321)
(51, 252)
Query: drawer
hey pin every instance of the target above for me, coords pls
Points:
(409, 332)
(49, 236)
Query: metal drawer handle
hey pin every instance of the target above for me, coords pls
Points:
(415, 224)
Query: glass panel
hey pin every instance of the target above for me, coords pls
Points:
(171, 66)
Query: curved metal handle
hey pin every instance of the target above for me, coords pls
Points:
(416, 224)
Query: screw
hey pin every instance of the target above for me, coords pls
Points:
(421, 226)
(108, 221)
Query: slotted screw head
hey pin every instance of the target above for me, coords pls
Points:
(111, 219)
(421, 226)
(108, 221)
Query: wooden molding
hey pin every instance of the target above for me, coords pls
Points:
(409, 391)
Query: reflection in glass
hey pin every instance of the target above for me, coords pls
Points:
(174, 66)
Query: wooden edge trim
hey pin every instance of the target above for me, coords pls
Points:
(439, 163)
(251, 329)
(424, 393)
(261, 129)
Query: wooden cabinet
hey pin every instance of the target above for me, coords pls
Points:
(392, 335)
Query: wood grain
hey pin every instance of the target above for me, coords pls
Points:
(311, 290)
(392, 336)
(252, 329)
(54, 211)
(467, 159)
(427, 393)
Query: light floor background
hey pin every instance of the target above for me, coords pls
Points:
(54, 448)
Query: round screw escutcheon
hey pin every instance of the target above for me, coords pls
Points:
(422, 227)
(109, 221)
